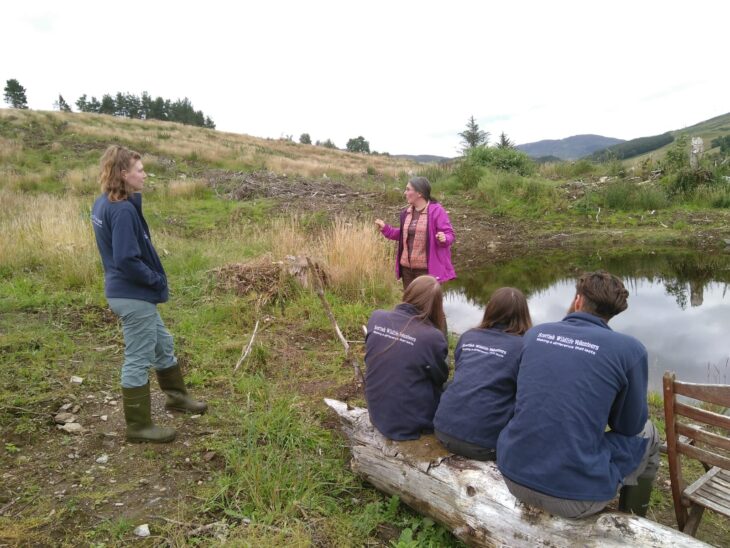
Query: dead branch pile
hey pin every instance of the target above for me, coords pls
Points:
(265, 277)
(261, 276)
(265, 184)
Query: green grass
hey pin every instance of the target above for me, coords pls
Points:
(283, 475)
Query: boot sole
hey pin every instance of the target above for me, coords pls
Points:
(185, 410)
(148, 440)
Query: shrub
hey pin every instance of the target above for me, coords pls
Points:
(686, 180)
(468, 174)
(504, 159)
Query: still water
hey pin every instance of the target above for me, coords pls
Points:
(679, 304)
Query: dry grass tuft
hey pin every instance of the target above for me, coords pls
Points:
(82, 180)
(186, 188)
(356, 258)
(48, 232)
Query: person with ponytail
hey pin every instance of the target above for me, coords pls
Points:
(425, 236)
(134, 283)
(405, 356)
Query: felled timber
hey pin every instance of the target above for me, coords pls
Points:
(471, 499)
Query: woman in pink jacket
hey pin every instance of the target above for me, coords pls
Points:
(424, 237)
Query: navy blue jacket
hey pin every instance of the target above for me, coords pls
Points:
(576, 377)
(132, 268)
(481, 398)
(406, 369)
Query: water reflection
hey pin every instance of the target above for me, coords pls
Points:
(679, 304)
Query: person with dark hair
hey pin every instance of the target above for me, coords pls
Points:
(405, 355)
(580, 428)
(134, 283)
(480, 399)
(425, 236)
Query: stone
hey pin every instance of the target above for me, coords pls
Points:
(72, 428)
(142, 530)
(65, 418)
(76, 380)
(102, 459)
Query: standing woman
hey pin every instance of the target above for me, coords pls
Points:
(424, 237)
(481, 398)
(405, 355)
(134, 283)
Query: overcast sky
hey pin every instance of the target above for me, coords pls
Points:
(406, 75)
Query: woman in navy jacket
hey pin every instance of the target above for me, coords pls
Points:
(134, 283)
(480, 400)
(405, 354)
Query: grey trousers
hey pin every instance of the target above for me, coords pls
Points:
(147, 342)
(568, 508)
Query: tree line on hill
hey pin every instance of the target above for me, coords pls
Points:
(634, 147)
(126, 105)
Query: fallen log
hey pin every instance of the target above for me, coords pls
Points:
(471, 499)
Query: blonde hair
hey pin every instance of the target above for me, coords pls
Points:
(116, 159)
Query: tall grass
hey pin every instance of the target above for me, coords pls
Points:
(567, 170)
(82, 180)
(510, 192)
(627, 196)
(359, 261)
(186, 188)
(48, 233)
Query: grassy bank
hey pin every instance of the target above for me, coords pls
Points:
(267, 465)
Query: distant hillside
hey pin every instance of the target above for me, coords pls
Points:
(422, 158)
(636, 149)
(570, 148)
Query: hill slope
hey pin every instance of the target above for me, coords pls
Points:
(570, 148)
(641, 147)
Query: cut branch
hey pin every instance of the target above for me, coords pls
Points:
(244, 355)
(319, 289)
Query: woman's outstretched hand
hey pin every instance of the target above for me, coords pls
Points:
(380, 223)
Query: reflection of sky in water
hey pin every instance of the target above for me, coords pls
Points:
(690, 342)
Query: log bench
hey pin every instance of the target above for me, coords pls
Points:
(470, 498)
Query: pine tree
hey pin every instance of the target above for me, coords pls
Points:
(15, 94)
(107, 106)
(305, 139)
(504, 142)
(61, 104)
(472, 136)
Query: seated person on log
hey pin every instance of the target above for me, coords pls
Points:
(576, 377)
(405, 355)
(480, 400)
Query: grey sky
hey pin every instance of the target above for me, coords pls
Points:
(406, 75)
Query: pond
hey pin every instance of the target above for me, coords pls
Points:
(679, 303)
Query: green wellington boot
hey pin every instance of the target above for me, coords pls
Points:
(139, 419)
(172, 383)
(635, 498)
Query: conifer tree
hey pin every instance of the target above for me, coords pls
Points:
(61, 104)
(15, 94)
(472, 136)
